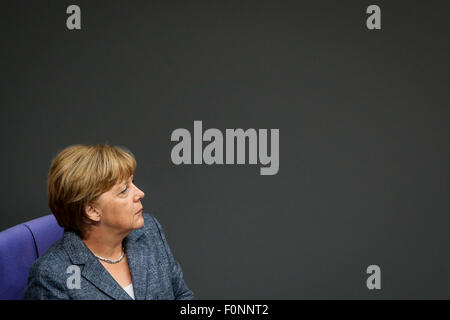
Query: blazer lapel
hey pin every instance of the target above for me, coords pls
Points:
(96, 274)
(138, 261)
(93, 270)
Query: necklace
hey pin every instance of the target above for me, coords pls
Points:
(111, 261)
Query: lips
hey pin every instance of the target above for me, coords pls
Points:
(140, 211)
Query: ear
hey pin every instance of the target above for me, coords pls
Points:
(93, 212)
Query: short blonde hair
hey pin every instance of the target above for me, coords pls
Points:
(78, 175)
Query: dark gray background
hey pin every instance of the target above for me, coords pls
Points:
(364, 134)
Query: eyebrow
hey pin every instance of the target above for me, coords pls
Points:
(125, 182)
(119, 188)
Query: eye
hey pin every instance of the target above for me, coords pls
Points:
(124, 190)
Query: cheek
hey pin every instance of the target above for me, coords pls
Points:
(124, 211)
(117, 211)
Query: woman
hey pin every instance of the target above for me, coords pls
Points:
(110, 248)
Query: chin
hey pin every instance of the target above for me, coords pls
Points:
(139, 221)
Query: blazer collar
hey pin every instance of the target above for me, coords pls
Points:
(95, 273)
(80, 254)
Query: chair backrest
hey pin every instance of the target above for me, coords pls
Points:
(20, 246)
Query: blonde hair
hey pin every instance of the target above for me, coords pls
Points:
(78, 175)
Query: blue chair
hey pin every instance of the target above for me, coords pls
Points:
(20, 246)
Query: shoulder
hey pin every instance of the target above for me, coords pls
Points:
(150, 222)
(52, 263)
(47, 275)
(151, 225)
(153, 230)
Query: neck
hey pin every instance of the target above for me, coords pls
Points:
(104, 243)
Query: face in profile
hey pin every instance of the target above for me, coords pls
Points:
(120, 208)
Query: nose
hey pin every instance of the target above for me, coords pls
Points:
(139, 194)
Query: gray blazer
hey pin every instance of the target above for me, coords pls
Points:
(156, 275)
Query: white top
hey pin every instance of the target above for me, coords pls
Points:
(129, 290)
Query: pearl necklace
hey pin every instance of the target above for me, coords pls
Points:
(111, 261)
